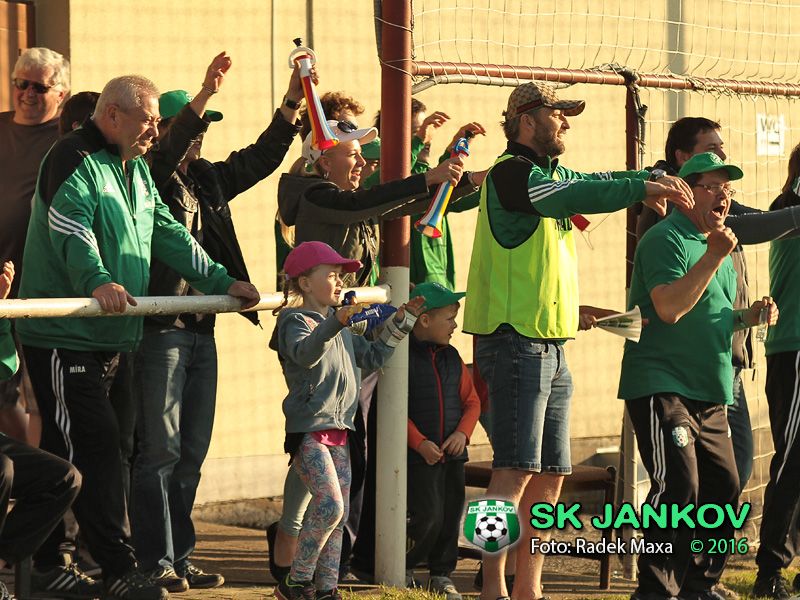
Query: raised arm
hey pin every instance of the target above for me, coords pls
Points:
(758, 227)
(524, 187)
(337, 206)
(174, 141)
(246, 167)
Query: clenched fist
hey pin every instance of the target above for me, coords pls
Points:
(721, 242)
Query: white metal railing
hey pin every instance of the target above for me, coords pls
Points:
(159, 305)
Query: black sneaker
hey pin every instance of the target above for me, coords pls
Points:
(772, 586)
(288, 589)
(70, 553)
(4, 593)
(133, 585)
(443, 585)
(65, 582)
(199, 580)
(796, 583)
(167, 578)
(326, 595)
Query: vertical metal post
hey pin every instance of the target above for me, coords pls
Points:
(390, 513)
(631, 163)
(310, 23)
(629, 450)
(678, 56)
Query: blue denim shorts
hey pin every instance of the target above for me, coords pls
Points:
(530, 388)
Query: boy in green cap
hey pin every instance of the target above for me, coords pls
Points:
(443, 408)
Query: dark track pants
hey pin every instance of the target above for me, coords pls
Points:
(780, 538)
(79, 424)
(688, 454)
(42, 485)
(435, 505)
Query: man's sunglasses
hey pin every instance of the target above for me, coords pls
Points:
(23, 84)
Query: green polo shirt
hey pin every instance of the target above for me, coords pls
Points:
(691, 358)
(784, 287)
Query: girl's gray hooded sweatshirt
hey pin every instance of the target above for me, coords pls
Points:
(322, 362)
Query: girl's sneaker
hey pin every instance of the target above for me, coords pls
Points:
(288, 589)
(329, 595)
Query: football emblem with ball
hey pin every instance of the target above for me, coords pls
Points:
(491, 528)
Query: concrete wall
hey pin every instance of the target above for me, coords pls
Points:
(173, 42)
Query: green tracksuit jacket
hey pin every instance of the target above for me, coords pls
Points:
(92, 223)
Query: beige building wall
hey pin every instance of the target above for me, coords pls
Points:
(172, 43)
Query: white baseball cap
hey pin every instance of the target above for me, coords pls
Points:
(346, 131)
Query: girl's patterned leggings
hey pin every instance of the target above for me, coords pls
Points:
(326, 472)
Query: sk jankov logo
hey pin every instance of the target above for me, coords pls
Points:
(491, 524)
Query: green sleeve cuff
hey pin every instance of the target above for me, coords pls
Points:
(9, 361)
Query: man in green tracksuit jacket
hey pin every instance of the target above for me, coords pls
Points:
(522, 304)
(96, 220)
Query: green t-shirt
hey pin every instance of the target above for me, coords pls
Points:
(691, 358)
(784, 287)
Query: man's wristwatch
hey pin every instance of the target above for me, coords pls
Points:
(656, 174)
(293, 104)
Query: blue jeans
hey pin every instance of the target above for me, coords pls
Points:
(741, 430)
(530, 388)
(176, 372)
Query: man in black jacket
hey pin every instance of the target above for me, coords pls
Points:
(176, 363)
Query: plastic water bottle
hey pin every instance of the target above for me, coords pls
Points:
(761, 332)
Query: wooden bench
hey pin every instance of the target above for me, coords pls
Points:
(583, 478)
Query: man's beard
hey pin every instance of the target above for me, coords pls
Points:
(552, 146)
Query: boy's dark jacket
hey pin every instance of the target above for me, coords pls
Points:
(437, 383)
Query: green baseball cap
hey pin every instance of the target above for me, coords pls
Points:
(372, 150)
(708, 161)
(436, 295)
(170, 104)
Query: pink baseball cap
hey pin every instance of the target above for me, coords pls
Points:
(311, 254)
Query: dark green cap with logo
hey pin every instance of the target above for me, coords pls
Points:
(171, 103)
(706, 162)
(436, 295)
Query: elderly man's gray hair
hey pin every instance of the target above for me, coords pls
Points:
(127, 92)
(43, 58)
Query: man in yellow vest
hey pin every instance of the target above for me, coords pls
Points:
(522, 303)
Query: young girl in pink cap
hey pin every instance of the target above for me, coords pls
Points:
(322, 362)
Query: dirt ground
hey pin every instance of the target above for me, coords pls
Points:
(240, 554)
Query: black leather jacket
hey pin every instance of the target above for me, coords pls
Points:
(199, 199)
